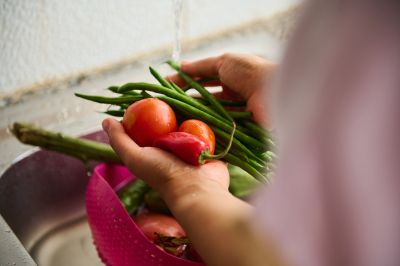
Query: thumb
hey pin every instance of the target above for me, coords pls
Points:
(122, 144)
(155, 166)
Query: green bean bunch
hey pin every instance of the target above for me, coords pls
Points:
(252, 145)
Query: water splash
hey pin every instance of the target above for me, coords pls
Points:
(177, 9)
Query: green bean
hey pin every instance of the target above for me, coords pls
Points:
(109, 100)
(232, 159)
(205, 93)
(241, 183)
(236, 144)
(173, 94)
(257, 164)
(223, 102)
(201, 81)
(180, 99)
(177, 88)
(232, 103)
(133, 194)
(115, 90)
(199, 114)
(240, 115)
(256, 129)
(163, 81)
(116, 113)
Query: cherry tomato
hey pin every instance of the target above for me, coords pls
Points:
(147, 119)
(151, 223)
(200, 130)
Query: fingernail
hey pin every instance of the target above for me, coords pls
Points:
(106, 124)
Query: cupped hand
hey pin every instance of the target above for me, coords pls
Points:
(165, 173)
(246, 76)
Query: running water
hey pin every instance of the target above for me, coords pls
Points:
(176, 51)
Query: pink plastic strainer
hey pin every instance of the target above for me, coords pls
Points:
(118, 240)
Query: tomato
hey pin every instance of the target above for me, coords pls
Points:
(148, 119)
(200, 130)
(151, 223)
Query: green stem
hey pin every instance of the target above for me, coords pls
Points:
(232, 159)
(208, 156)
(177, 88)
(132, 195)
(80, 148)
(240, 115)
(110, 100)
(201, 81)
(165, 82)
(224, 102)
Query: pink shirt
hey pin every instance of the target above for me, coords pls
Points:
(335, 199)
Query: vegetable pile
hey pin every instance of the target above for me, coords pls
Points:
(148, 112)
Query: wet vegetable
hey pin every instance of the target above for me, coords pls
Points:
(187, 147)
(148, 119)
(152, 223)
(200, 130)
(132, 195)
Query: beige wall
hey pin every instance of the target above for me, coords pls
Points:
(42, 40)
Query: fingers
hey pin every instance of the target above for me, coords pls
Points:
(207, 67)
(153, 165)
(161, 170)
(120, 141)
(175, 78)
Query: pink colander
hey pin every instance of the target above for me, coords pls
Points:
(118, 240)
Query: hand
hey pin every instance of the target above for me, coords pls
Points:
(164, 172)
(199, 199)
(246, 76)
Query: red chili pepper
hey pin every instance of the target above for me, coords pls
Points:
(186, 146)
(190, 148)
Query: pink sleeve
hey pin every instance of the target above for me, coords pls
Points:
(335, 199)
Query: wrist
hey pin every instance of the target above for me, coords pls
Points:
(182, 197)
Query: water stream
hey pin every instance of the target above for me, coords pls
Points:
(177, 9)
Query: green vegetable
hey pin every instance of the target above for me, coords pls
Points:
(205, 93)
(241, 183)
(155, 203)
(132, 195)
(83, 149)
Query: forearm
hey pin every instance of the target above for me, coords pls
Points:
(219, 227)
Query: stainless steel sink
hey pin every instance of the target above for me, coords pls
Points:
(42, 201)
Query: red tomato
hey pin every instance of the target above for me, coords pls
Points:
(151, 223)
(148, 119)
(200, 130)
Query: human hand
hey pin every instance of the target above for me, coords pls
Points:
(173, 179)
(240, 75)
(198, 197)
